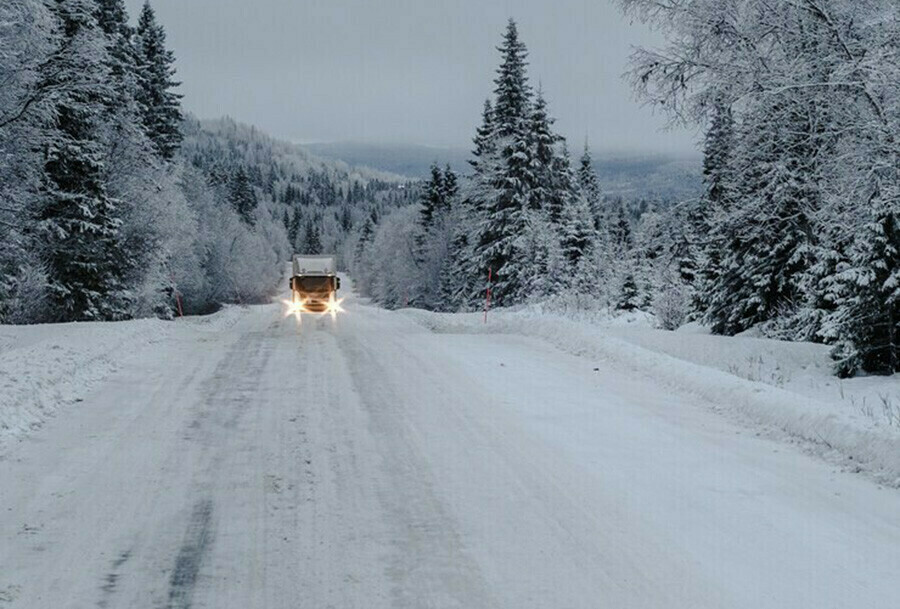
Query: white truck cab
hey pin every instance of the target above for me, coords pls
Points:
(314, 283)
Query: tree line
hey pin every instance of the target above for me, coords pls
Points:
(795, 235)
(114, 205)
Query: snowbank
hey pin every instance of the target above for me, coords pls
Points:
(782, 389)
(46, 367)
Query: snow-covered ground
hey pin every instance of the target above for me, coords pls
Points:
(408, 459)
(785, 390)
(50, 366)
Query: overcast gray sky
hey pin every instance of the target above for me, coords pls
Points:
(406, 71)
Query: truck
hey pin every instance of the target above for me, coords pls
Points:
(314, 283)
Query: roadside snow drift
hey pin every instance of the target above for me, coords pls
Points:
(49, 366)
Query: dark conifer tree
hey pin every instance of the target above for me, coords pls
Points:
(433, 197)
(485, 141)
(630, 298)
(718, 159)
(590, 186)
(160, 104)
(242, 196)
(543, 142)
(312, 243)
(866, 322)
(77, 219)
(767, 242)
(513, 93)
(451, 186)
(504, 178)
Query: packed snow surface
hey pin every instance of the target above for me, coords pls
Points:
(407, 459)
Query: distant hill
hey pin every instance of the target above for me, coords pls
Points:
(405, 159)
(632, 176)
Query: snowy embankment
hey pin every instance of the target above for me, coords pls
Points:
(785, 390)
(46, 367)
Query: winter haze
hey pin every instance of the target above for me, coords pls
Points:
(407, 71)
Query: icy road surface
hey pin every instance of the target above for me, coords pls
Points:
(370, 463)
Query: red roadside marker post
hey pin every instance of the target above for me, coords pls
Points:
(177, 296)
(487, 295)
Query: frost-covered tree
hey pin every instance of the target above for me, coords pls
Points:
(715, 204)
(242, 196)
(160, 104)
(311, 242)
(77, 219)
(590, 187)
(503, 178)
(866, 321)
(578, 233)
(434, 197)
(28, 36)
(513, 97)
(814, 92)
(543, 150)
(767, 239)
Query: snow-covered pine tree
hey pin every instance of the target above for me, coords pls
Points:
(77, 220)
(548, 272)
(160, 104)
(578, 233)
(458, 280)
(311, 243)
(590, 187)
(433, 197)
(242, 196)
(502, 185)
(296, 223)
(767, 241)
(715, 203)
(451, 187)
(563, 186)
(27, 37)
(543, 143)
(866, 321)
(629, 295)
(621, 237)
(366, 232)
(112, 17)
(513, 93)
(485, 139)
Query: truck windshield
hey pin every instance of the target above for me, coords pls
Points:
(313, 284)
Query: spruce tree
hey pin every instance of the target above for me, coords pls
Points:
(123, 61)
(312, 243)
(620, 230)
(160, 104)
(503, 179)
(242, 196)
(562, 184)
(714, 205)
(767, 242)
(590, 186)
(366, 232)
(513, 93)
(451, 186)
(866, 322)
(485, 139)
(77, 219)
(578, 233)
(433, 197)
(294, 227)
(629, 296)
(543, 143)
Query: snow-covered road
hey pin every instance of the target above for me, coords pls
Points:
(373, 463)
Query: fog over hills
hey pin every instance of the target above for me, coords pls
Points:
(631, 175)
